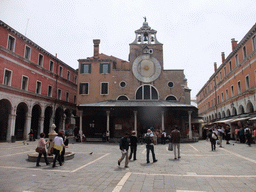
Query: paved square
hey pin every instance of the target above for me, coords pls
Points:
(232, 168)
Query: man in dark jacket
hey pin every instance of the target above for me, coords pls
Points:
(175, 139)
(124, 146)
(133, 145)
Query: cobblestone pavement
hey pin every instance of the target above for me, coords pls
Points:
(232, 168)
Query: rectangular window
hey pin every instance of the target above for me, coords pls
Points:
(67, 96)
(24, 85)
(74, 98)
(40, 59)
(222, 97)
(38, 87)
(68, 75)
(84, 88)
(232, 91)
(247, 82)
(230, 66)
(27, 52)
(11, 43)
(254, 42)
(105, 68)
(104, 89)
(7, 77)
(75, 79)
(218, 101)
(226, 94)
(212, 102)
(225, 71)
(217, 80)
(59, 94)
(51, 66)
(236, 59)
(244, 52)
(49, 91)
(60, 71)
(220, 75)
(85, 68)
(238, 87)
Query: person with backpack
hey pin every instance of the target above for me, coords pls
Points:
(124, 146)
(149, 141)
(213, 137)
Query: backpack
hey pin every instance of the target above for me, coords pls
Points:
(214, 136)
(148, 139)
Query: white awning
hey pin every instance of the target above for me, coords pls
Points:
(240, 119)
(252, 119)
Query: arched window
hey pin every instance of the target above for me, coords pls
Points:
(146, 92)
(122, 97)
(171, 98)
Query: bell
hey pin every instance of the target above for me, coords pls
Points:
(152, 39)
(145, 38)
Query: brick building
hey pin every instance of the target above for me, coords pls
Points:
(117, 96)
(229, 94)
(36, 88)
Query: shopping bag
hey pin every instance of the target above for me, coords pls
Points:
(170, 148)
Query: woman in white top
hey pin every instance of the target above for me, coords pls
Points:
(42, 143)
(58, 146)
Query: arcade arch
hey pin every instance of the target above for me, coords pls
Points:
(5, 111)
(21, 114)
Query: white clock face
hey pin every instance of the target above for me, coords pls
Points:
(146, 68)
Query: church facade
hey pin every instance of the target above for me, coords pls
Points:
(120, 96)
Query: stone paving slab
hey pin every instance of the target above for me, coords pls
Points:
(231, 168)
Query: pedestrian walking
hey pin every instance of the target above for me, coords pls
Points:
(149, 140)
(107, 135)
(163, 139)
(133, 145)
(227, 134)
(124, 146)
(220, 135)
(175, 139)
(248, 135)
(41, 144)
(57, 148)
(213, 137)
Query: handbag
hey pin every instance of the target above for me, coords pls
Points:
(40, 149)
(170, 148)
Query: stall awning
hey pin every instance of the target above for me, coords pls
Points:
(240, 119)
(252, 119)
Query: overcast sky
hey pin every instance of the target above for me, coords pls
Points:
(193, 32)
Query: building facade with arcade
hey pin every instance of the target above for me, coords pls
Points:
(229, 95)
(119, 96)
(36, 88)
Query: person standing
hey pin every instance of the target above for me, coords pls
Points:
(133, 145)
(107, 135)
(220, 135)
(149, 140)
(175, 140)
(124, 146)
(248, 135)
(163, 139)
(42, 144)
(65, 141)
(57, 148)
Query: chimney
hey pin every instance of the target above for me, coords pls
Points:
(215, 66)
(222, 57)
(96, 47)
(233, 43)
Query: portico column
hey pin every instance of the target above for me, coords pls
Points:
(41, 125)
(11, 125)
(200, 130)
(108, 112)
(162, 120)
(27, 126)
(64, 122)
(135, 121)
(189, 125)
(81, 124)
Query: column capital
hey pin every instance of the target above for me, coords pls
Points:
(135, 112)
(108, 112)
(189, 112)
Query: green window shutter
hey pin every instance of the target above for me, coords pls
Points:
(108, 67)
(81, 68)
(101, 68)
(89, 68)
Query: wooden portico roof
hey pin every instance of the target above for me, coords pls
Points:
(138, 104)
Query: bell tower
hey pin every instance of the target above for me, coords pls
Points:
(146, 43)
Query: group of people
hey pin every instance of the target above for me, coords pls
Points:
(218, 133)
(128, 141)
(60, 143)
